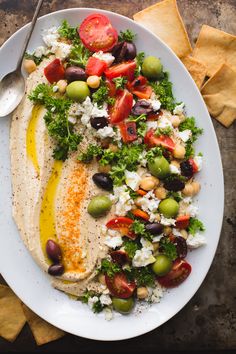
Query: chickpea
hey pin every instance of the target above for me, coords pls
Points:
(155, 246)
(196, 187)
(175, 163)
(179, 151)
(142, 292)
(138, 201)
(29, 65)
(184, 234)
(61, 84)
(101, 279)
(93, 81)
(113, 148)
(175, 120)
(149, 183)
(160, 193)
(104, 169)
(188, 190)
(167, 230)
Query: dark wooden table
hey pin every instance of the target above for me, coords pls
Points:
(208, 321)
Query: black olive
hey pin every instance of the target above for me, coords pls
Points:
(181, 246)
(99, 122)
(56, 269)
(174, 184)
(53, 251)
(130, 51)
(103, 180)
(119, 51)
(154, 228)
(120, 257)
(186, 169)
(141, 107)
(74, 73)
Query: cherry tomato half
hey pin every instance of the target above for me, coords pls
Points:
(96, 33)
(154, 116)
(194, 165)
(122, 224)
(122, 107)
(182, 221)
(54, 71)
(164, 140)
(179, 272)
(95, 66)
(127, 68)
(111, 87)
(128, 131)
(120, 286)
(140, 88)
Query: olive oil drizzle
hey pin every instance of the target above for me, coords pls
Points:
(31, 139)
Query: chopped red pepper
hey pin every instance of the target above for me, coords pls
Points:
(95, 66)
(54, 71)
(164, 140)
(124, 69)
(128, 131)
(182, 221)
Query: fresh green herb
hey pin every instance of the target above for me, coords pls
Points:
(120, 82)
(117, 173)
(163, 89)
(175, 195)
(168, 248)
(189, 123)
(141, 129)
(102, 95)
(200, 154)
(163, 131)
(33, 57)
(79, 55)
(91, 152)
(66, 31)
(56, 120)
(109, 268)
(154, 152)
(141, 118)
(130, 247)
(86, 295)
(128, 36)
(195, 225)
(139, 62)
(144, 276)
(107, 157)
(189, 149)
(139, 229)
(133, 194)
(97, 306)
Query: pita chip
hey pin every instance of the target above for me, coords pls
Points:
(219, 94)
(164, 20)
(43, 331)
(214, 48)
(12, 318)
(196, 69)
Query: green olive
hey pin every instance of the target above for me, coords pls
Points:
(77, 91)
(162, 266)
(159, 167)
(99, 206)
(123, 305)
(152, 67)
(169, 208)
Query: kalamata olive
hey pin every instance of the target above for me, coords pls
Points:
(53, 251)
(120, 257)
(141, 107)
(99, 122)
(103, 180)
(186, 169)
(181, 246)
(119, 51)
(74, 73)
(130, 51)
(56, 269)
(154, 228)
(174, 184)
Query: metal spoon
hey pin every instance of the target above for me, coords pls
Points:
(12, 86)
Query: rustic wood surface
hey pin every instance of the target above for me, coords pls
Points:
(208, 321)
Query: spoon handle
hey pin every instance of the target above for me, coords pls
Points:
(28, 36)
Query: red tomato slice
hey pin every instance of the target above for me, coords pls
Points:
(122, 224)
(164, 140)
(120, 257)
(95, 66)
(140, 214)
(97, 33)
(111, 87)
(54, 71)
(122, 106)
(194, 165)
(126, 68)
(179, 272)
(143, 92)
(154, 116)
(120, 286)
(128, 131)
(182, 221)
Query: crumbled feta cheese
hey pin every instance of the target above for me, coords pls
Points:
(50, 36)
(105, 299)
(142, 159)
(195, 241)
(157, 238)
(92, 110)
(122, 199)
(143, 257)
(187, 200)
(108, 314)
(185, 135)
(179, 109)
(176, 232)
(149, 202)
(155, 103)
(146, 244)
(40, 51)
(174, 169)
(61, 50)
(198, 161)
(132, 179)
(164, 122)
(151, 124)
(167, 221)
(72, 119)
(105, 132)
(192, 210)
(107, 57)
(55, 88)
(92, 301)
(113, 241)
(155, 294)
